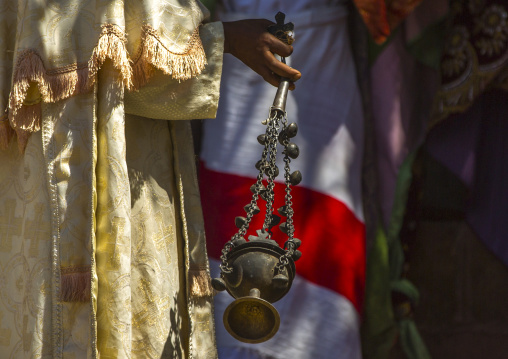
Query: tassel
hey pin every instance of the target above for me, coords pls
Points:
(180, 66)
(6, 133)
(31, 79)
(200, 283)
(75, 284)
(29, 121)
(111, 45)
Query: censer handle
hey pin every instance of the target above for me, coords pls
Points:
(283, 32)
(279, 103)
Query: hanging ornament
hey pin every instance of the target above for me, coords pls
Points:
(256, 271)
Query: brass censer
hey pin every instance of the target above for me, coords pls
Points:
(257, 272)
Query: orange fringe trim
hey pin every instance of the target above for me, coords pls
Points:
(180, 66)
(111, 45)
(61, 83)
(75, 284)
(28, 121)
(200, 283)
(52, 85)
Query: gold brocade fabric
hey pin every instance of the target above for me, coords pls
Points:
(52, 50)
(102, 249)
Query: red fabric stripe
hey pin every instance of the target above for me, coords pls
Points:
(333, 239)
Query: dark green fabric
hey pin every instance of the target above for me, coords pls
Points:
(427, 47)
(398, 211)
(379, 329)
(411, 341)
(407, 288)
(210, 4)
(409, 338)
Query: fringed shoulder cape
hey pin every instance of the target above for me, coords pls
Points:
(102, 248)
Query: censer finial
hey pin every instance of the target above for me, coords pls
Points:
(258, 272)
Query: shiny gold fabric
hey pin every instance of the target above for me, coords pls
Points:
(102, 249)
(54, 49)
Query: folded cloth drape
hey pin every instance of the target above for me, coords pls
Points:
(101, 239)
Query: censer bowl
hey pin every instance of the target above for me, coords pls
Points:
(255, 282)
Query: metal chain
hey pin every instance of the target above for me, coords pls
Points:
(288, 198)
(276, 119)
(289, 246)
(225, 268)
(268, 167)
(272, 134)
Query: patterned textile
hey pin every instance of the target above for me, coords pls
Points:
(475, 55)
(467, 129)
(48, 57)
(102, 249)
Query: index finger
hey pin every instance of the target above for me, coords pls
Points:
(278, 47)
(281, 69)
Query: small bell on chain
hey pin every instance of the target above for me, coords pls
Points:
(259, 272)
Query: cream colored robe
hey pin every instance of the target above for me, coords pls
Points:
(102, 249)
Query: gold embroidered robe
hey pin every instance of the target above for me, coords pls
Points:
(102, 249)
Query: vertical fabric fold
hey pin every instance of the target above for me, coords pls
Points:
(199, 289)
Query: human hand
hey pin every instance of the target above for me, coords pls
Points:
(249, 41)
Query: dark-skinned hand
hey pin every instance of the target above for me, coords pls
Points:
(249, 41)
